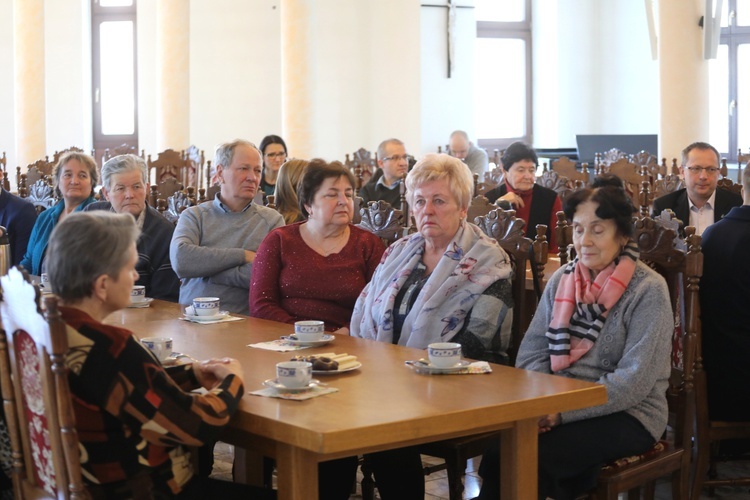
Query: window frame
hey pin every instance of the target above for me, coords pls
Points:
(733, 36)
(101, 15)
(512, 30)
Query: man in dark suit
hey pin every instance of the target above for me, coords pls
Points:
(725, 317)
(699, 203)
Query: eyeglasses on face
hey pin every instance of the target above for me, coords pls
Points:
(708, 170)
(273, 156)
(397, 158)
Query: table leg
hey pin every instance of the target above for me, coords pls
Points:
(297, 473)
(247, 467)
(518, 461)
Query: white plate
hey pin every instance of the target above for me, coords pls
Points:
(427, 367)
(310, 343)
(274, 384)
(334, 372)
(144, 303)
(213, 317)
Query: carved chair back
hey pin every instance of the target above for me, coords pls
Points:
(567, 168)
(170, 164)
(365, 161)
(479, 207)
(36, 396)
(556, 182)
(122, 149)
(41, 194)
(680, 262)
(382, 220)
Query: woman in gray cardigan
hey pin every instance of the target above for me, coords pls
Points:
(606, 318)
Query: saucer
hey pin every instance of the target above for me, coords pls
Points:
(274, 384)
(310, 343)
(334, 372)
(213, 317)
(430, 368)
(144, 303)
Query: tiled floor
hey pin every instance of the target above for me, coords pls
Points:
(436, 485)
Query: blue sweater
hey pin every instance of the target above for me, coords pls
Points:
(45, 223)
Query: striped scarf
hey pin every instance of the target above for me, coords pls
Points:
(581, 306)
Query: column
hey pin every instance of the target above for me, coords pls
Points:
(28, 82)
(297, 79)
(683, 76)
(173, 74)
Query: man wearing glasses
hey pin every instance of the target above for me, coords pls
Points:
(384, 185)
(474, 157)
(699, 203)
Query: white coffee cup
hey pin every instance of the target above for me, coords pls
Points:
(294, 374)
(309, 331)
(206, 306)
(160, 346)
(444, 354)
(138, 293)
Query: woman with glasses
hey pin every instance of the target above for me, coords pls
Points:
(274, 152)
(533, 203)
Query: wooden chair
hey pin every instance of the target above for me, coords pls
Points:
(682, 271)
(170, 164)
(632, 178)
(163, 190)
(607, 158)
(4, 168)
(509, 231)
(36, 396)
(564, 233)
(556, 182)
(479, 207)
(382, 220)
(41, 194)
(667, 184)
(122, 149)
(567, 168)
(364, 160)
(196, 161)
(643, 159)
(174, 205)
(726, 183)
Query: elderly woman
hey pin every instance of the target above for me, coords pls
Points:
(285, 195)
(75, 177)
(449, 273)
(605, 317)
(533, 203)
(274, 153)
(448, 282)
(316, 269)
(120, 389)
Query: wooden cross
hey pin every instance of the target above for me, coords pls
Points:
(451, 7)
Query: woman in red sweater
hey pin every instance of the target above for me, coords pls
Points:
(316, 269)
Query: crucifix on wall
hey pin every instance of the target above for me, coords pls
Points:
(451, 10)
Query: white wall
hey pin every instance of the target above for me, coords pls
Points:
(7, 134)
(67, 46)
(380, 72)
(593, 71)
(446, 102)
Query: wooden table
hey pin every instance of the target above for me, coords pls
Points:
(383, 405)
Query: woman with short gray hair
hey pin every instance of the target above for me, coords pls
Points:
(75, 177)
(120, 388)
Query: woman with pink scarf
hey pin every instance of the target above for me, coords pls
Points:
(605, 317)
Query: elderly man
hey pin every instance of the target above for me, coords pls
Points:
(125, 185)
(214, 243)
(17, 216)
(474, 157)
(394, 163)
(699, 203)
(725, 317)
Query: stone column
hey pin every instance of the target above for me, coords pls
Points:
(683, 76)
(28, 82)
(297, 81)
(173, 74)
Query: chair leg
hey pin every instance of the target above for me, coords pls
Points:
(701, 469)
(455, 473)
(368, 483)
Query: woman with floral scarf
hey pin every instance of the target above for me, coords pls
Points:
(447, 282)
